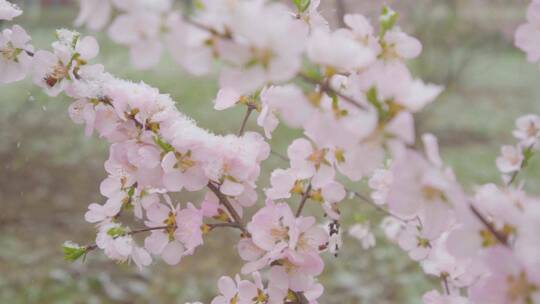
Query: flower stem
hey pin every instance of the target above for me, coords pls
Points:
(244, 122)
(225, 202)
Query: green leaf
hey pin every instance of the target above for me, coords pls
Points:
(313, 72)
(527, 155)
(387, 19)
(165, 146)
(360, 218)
(198, 5)
(116, 231)
(302, 5)
(73, 251)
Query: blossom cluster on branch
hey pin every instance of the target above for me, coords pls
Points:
(351, 93)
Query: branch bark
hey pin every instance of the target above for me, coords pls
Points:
(225, 202)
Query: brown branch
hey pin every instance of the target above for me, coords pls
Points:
(94, 246)
(244, 122)
(218, 225)
(304, 200)
(497, 234)
(225, 202)
(325, 87)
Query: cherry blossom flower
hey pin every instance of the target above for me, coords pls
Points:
(258, 50)
(419, 189)
(380, 183)
(120, 246)
(8, 10)
(182, 233)
(510, 159)
(240, 291)
(95, 14)
(399, 45)
(352, 55)
(527, 35)
(507, 281)
(288, 102)
(416, 241)
(140, 31)
(292, 242)
(528, 129)
(15, 60)
(52, 70)
(308, 161)
(363, 31)
(435, 297)
(313, 17)
(283, 184)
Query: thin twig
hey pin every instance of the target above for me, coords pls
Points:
(207, 28)
(523, 164)
(379, 208)
(132, 232)
(244, 122)
(304, 200)
(231, 225)
(444, 278)
(325, 87)
(225, 202)
(497, 234)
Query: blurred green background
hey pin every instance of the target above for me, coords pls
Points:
(51, 172)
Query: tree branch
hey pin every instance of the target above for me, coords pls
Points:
(497, 234)
(132, 232)
(244, 122)
(304, 200)
(325, 87)
(225, 202)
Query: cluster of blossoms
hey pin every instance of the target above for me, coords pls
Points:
(356, 113)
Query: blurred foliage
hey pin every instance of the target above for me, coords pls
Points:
(51, 172)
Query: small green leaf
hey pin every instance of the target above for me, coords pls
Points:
(313, 72)
(360, 218)
(198, 5)
(302, 5)
(116, 231)
(165, 146)
(527, 155)
(73, 251)
(387, 19)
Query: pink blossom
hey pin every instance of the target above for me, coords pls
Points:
(14, 59)
(351, 55)
(226, 98)
(415, 241)
(434, 297)
(95, 14)
(52, 70)
(380, 183)
(8, 10)
(528, 129)
(527, 35)
(510, 159)
(122, 247)
(507, 281)
(401, 45)
(282, 184)
(308, 161)
(140, 31)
